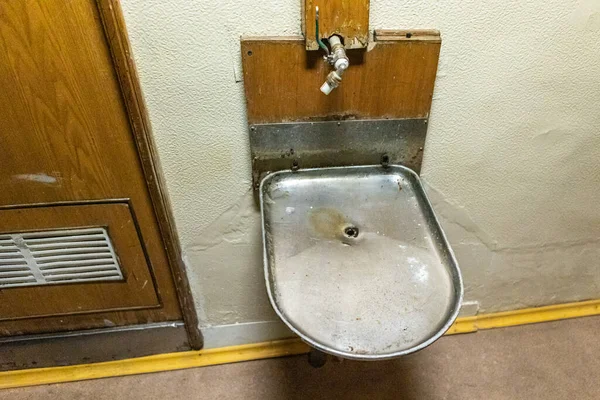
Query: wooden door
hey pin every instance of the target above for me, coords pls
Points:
(76, 159)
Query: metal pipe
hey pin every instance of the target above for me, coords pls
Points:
(340, 62)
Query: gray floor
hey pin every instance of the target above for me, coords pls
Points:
(558, 360)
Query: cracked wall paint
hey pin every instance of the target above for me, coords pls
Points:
(511, 154)
(225, 264)
(500, 278)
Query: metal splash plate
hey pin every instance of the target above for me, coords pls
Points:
(356, 262)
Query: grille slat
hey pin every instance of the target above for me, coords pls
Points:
(43, 246)
(7, 250)
(95, 268)
(62, 239)
(12, 260)
(22, 273)
(94, 261)
(79, 276)
(14, 266)
(105, 253)
(54, 257)
(69, 250)
(30, 278)
(62, 233)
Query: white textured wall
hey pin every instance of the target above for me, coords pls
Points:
(511, 162)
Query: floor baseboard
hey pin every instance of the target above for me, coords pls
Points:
(249, 332)
(276, 348)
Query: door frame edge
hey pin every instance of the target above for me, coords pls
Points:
(111, 16)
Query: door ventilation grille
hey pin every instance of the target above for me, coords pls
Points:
(54, 257)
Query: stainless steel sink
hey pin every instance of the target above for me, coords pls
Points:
(356, 262)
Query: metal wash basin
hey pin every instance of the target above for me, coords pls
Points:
(356, 262)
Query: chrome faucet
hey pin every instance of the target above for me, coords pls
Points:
(336, 57)
(340, 62)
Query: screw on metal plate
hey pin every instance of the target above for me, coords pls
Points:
(319, 144)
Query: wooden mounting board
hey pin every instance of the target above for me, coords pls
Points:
(394, 79)
(347, 18)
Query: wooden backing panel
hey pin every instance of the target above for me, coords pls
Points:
(347, 18)
(137, 291)
(116, 34)
(395, 79)
(65, 131)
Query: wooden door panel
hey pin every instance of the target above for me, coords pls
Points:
(135, 291)
(68, 134)
(65, 131)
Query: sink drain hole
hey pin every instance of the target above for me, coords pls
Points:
(351, 231)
